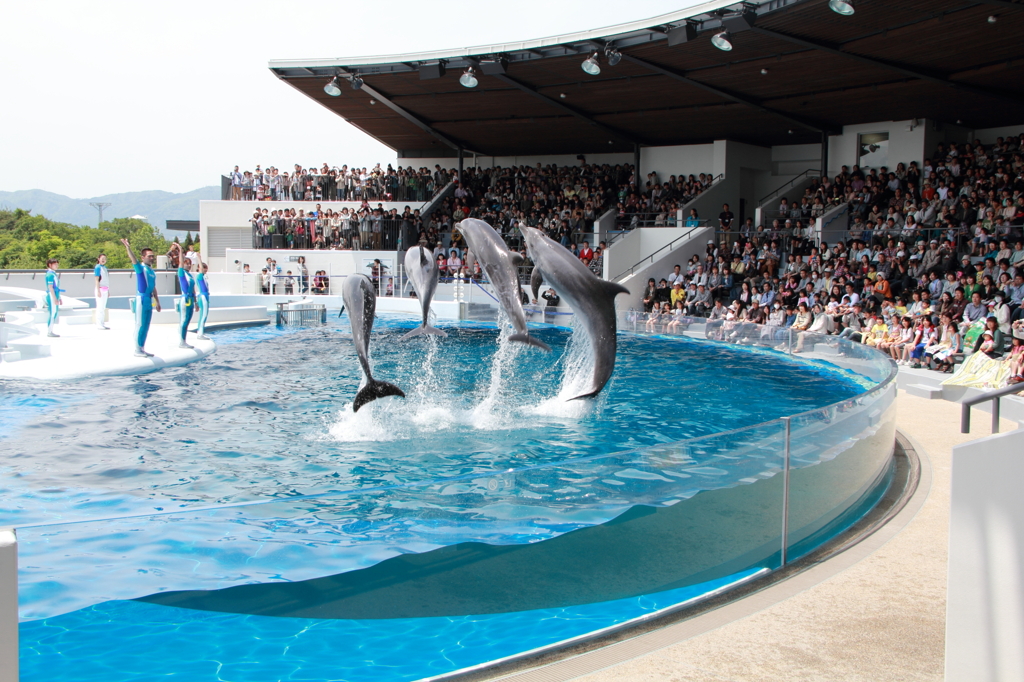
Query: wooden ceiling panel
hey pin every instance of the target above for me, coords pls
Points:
(935, 36)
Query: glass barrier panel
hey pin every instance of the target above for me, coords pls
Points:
(605, 538)
(841, 463)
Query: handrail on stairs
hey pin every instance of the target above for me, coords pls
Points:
(994, 396)
(629, 271)
(783, 188)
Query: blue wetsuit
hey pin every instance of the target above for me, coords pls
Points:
(203, 303)
(145, 280)
(52, 290)
(187, 302)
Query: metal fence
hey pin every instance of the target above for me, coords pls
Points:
(414, 188)
(377, 235)
(302, 315)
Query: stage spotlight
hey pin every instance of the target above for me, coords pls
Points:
(468, 79)
(357, 82)
(723, 41)
(332, 88)
(614, 56)
(844, 7)
(591, 65)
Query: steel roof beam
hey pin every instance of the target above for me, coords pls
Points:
(892, 66)
(725, 94)
(530, 90)
(409, 116)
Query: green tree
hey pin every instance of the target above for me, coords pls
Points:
(27, 241)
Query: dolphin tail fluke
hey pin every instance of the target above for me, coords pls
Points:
(530, 340)
(420, 331)
(373, 390)
(592, 394)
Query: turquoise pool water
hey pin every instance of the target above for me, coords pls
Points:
(481, 457)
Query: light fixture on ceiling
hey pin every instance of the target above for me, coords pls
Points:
(723, 41)
(468, 78)
(357, 82)
(844, 7)
(992, 19)
(373, 101)
(613, 56)
(610, 142)
(591, 64)
(561, 95)
(790, 132)
(332, 88)
(764, 72)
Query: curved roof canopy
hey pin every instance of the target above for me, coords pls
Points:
(796, 70)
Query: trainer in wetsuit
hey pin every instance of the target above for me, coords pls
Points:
(202, 298)
(52, 295)
(145, 280)
(102, 276)
(187, 302)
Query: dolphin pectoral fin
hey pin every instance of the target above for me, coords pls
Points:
(516, 258)
(373, 390)
(342, 311)
(536, 279)
(529, 340)
(426, 330)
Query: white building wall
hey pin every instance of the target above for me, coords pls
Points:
(677, 160)
(989, 135)
(985, 593)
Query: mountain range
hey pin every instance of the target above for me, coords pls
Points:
(156, 205)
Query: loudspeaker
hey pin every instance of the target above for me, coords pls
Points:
(678, 36)
(734, 23)
(277, 241)
(431, 70)
(494, 67)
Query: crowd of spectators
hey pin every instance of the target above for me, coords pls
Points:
(564, 201)
(970, 194)
(331, 183)
(932, 268)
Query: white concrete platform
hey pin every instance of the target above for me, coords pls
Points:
(84, 351)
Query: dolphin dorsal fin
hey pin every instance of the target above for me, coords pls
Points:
(423, 256)
(613, 289)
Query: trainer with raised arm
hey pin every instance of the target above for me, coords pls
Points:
(187, 302)
(145, 299)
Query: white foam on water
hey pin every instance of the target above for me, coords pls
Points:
(430, 407)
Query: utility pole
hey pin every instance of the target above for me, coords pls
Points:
(99, 206)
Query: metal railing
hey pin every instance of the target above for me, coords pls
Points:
(650, 259)
(416, 188)
(389, 234)
(993, 396)
(781, 190)
(302, 315)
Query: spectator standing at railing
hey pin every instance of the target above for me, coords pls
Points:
(236, 185)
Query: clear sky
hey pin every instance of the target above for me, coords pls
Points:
(104, 97)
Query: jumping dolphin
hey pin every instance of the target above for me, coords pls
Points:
(422, 270)
(592, 299)
(499, 264)
(361, 301)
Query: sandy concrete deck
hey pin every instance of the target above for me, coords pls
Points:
(876, 612)
(85, 351)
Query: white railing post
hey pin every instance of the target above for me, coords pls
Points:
(8, 605)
